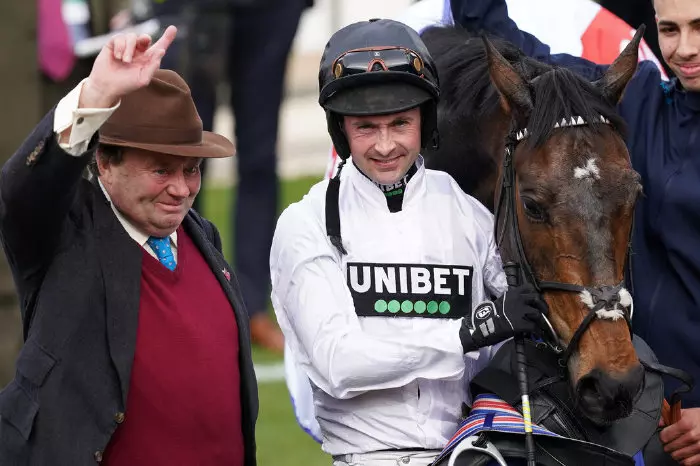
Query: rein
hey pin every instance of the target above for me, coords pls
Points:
(604, 302)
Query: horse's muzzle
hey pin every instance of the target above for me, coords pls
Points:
(604, 398)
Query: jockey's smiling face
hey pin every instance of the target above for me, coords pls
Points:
(384, 147)
(678, 22)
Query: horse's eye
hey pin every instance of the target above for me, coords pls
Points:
(533, 210)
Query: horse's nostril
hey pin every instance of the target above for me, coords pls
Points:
(588, 391)
(606, 398)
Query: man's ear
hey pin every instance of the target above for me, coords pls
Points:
(101, 162)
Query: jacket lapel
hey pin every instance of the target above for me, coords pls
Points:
(120, 258)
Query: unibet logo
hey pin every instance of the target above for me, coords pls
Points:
(409, 279)
(410, 290)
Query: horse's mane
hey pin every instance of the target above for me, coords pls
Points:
(469, 101)
(561, 93)
(463, 70)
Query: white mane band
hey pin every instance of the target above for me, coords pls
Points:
(564, 123)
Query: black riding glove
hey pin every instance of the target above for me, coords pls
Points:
(517, 312)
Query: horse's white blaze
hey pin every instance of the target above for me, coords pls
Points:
(591, 170)
(617, 312)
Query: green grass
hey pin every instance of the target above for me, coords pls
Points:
(280, 440)
(218, 204)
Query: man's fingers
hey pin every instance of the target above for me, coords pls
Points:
(536, 301)
(680, 444)
(119, 42)
(129, 48)
(685, 453)
(143, 42)
(684, 438)
(153, 64)
(671, 433)
(166, 39)
(692, 461)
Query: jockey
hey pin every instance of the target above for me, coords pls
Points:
(663, 119)
(386, 280)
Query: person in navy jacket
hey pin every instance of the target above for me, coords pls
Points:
(663, 119)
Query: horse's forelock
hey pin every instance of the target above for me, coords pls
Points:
(562, 94)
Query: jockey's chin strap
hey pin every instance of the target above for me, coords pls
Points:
(604, 302)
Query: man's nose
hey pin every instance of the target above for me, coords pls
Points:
(385, 143)
(178, 186)
(689, 45)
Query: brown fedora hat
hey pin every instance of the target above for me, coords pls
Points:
(162, 117)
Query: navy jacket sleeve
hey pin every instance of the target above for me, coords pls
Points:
(491, 16)
(37, 187)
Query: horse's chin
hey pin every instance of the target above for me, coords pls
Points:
(602, 417)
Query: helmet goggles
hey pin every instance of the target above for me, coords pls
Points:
(364, 60)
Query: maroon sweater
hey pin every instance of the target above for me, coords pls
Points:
(184, 397)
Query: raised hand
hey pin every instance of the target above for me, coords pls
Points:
(125, 64)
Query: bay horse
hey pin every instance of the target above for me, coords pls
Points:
(544, 150)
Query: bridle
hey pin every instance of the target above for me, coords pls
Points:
(605, 302)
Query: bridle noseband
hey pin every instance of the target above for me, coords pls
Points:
(605, 302)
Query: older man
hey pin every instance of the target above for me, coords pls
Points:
(137, 346)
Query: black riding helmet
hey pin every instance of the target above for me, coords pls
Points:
(374, 67)
(377, 67)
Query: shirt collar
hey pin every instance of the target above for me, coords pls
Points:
(136, 234)
(371, 191)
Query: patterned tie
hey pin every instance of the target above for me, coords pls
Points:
(55, 52)
(161, 246)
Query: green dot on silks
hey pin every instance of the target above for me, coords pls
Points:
(444, 307)
(394, 306)
(432, 307)
(407, 306)
(419, 307)
(380, 305)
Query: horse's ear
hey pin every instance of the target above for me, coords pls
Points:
(513, 89)
(615, 80)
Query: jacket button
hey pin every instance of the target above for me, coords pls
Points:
(119, 418)
(98, 456)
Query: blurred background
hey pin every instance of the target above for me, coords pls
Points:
(251, 61)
